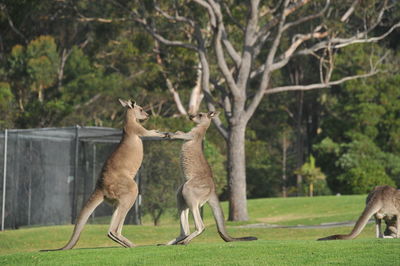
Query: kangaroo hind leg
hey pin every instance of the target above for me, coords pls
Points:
(115, 231)
(198, 223)
(185, 228)
(378, 228)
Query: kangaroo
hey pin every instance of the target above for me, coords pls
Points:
(115, 184)
(384, 203)
(199, 187)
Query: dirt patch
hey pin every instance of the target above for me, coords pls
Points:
(324, 225)
(289, 217)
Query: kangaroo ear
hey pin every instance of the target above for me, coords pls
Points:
(125, 103)
(133, 103)
(212, 114)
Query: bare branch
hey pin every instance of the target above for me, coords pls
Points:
(299, 39)
(235, 22)
(319, 85)
(160, 38)
(268, 63)
(101, 20)
(215, 14)
(307, 18)
(170, 86)
(293, 7)
(343, 42)
(287, 11)
(196, 96)
(213, 19)
(222, 64)
(176, 18)
(3, 8)
(175, 95)
(349, 11)
(205, 77)
(249, 41)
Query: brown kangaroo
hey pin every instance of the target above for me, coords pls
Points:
(199, 187)
(115, 184)
(384, 203)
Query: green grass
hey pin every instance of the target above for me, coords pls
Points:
(277, 246)
(290, 211)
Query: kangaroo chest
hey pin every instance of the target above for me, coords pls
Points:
(127, 158)
(193, 162)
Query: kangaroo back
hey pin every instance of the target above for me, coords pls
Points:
(220, 221)
(95, 199)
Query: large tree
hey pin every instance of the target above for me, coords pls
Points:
(241, 44)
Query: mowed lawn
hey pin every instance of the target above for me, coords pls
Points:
(276, 246)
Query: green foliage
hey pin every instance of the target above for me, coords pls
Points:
(261, 171)
(310, 171)
(7, 105)
(217, 163)
(160, 175)
(358, 145)
(42, 63)
(313, 175)
(360, 165)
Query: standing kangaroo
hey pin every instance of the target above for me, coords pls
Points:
(384, 203)
(199, 187)
(115, 184)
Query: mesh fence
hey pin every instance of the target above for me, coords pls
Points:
(48, 174)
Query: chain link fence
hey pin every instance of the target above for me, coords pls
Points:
(48, 174)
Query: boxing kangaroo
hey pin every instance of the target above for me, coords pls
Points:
(199, 187)
(384, 203)
(115, 184)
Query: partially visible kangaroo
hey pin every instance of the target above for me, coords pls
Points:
(391, 228)
(384, 203)
(199, 187)
(115, 184)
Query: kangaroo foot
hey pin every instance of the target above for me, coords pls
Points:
(123, 241)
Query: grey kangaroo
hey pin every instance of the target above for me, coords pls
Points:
(384, 203)
(115, 184)
(199, 187)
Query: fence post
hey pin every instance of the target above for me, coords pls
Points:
(4, 179)
(94, 172)
(75, 192)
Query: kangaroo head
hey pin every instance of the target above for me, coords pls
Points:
(134, 110)
(203, 118)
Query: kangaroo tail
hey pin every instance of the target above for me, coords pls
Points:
(371, 208)
(220, 221)
(95, 199)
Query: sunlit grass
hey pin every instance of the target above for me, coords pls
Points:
(275, 246)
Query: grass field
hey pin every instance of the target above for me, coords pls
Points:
(276, 246)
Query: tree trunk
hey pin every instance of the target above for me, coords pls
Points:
(237, 173)
(284, 157)
(40, 93)
(299, 141)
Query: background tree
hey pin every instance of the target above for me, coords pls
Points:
(357, 146)
(290, 29)
(311, 173)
